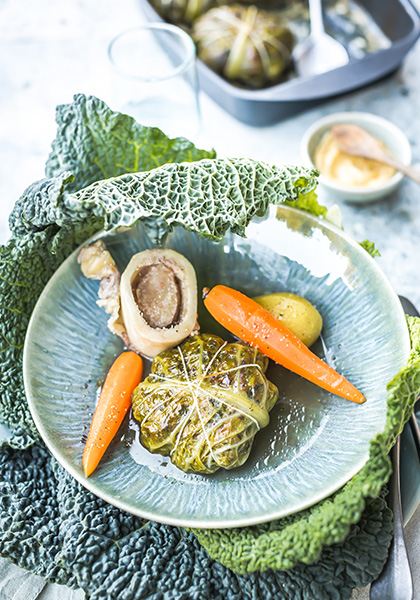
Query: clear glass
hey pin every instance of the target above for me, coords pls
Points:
(153, 78)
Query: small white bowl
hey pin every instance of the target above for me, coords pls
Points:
(380, 128)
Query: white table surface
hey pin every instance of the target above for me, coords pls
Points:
(52, 49)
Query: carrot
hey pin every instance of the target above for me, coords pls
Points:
(114, 401)
(253, 324)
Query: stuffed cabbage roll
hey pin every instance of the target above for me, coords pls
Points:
(246, 45)
(203, 403)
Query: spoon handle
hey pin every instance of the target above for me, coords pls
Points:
(406, 169)
(316, 17)
(395, 581)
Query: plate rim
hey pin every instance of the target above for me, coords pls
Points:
(89, 483)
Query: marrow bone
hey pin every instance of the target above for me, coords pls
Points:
(158, 300)
(157, 292)
(153, 304)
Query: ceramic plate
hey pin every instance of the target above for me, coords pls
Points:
(315, 441)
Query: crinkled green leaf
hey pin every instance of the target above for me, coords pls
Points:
(207, 197)
(94, 142)
(60, 531)
(26, 265)
(370, 248)
(37, 207)
(308, 201)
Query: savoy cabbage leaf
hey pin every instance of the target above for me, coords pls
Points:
(49, 523)
(309, 203)
(62, 532)
(94, 142)
(370, 248)
(208, 197)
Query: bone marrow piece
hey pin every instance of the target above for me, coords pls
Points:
(156, 289)
(158, 300)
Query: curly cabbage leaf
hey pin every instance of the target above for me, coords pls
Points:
(370, 248)
(309, 203)
(26, 265)
(60, 531)
(203, 403)
(207, 197)
(94, 142)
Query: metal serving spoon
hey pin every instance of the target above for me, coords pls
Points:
(319, 52)
(396, 582)
(352, 139)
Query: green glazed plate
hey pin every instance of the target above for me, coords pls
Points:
(315, 441)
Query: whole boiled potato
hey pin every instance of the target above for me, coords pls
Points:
(295, 313)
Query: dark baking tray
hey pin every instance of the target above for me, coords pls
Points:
(398, 20)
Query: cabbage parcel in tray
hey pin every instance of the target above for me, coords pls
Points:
(205, 398)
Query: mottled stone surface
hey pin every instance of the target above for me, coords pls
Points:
(51, 50)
